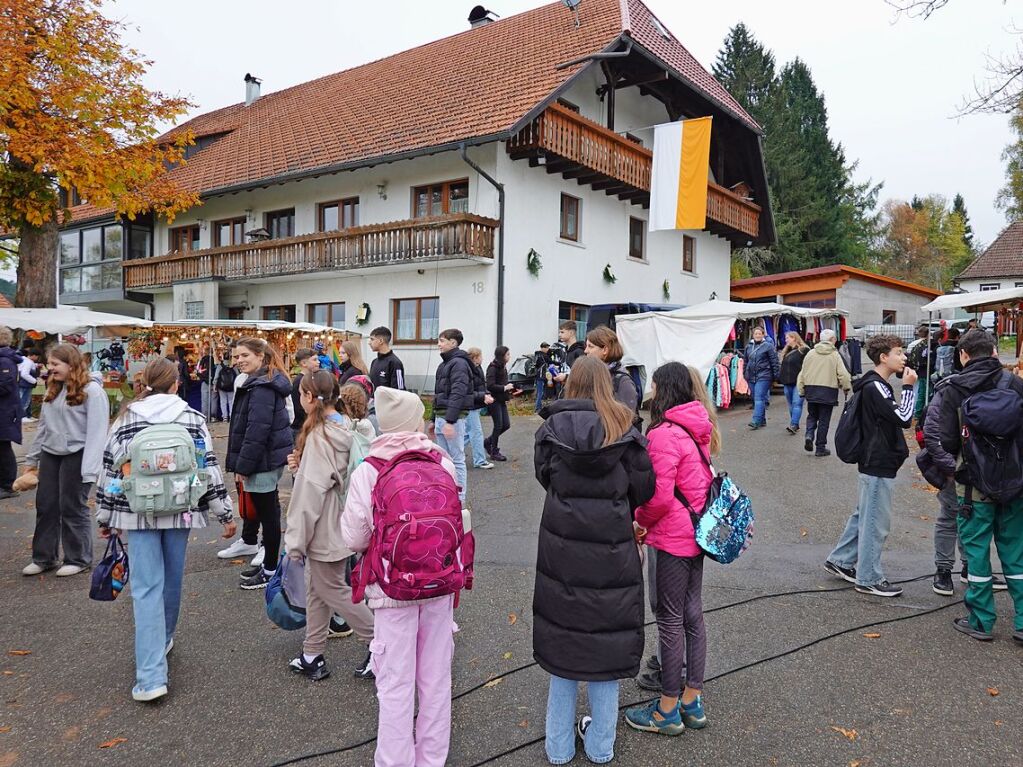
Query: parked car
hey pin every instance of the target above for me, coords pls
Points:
(522, 373)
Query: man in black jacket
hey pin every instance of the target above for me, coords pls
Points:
(568, 335)
(454, 397)
(386, 369)
(857, 557)
(980, 519)
(307, 362)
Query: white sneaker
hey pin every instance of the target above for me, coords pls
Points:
(258, 559)
(31, 569)
(238, 548)
(144, 696)
(28, 419)
(169, 647)
(67, 570)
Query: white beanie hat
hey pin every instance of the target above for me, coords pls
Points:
(398, 410)
(828, 335)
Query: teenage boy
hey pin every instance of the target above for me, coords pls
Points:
(567, 334)
(980, 519)
(454, 396)
(857, 556)
(308, 362)
(541, 365)
(386, 369)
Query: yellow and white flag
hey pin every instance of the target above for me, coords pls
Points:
(678, 184)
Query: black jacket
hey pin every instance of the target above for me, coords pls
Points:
(588, 597)
(348, 372)
(624, 387)
(882, 422)
(454, 388)
(479, 387)
(497, 378)
(296, 402)
(10, 399)
(260, 436)
(387, 370)
(942, 438)
(574, 352)
(791, 364)
(761, 362)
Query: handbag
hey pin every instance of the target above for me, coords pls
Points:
(725, 528)
(111, 574)
(246, 508)
(288, 614)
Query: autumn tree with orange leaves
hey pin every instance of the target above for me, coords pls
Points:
(74, 114)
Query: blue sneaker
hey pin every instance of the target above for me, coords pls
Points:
(642, 718)
(692, 715)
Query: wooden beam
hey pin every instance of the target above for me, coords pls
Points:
(660, 77)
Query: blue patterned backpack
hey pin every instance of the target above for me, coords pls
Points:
(725, 528)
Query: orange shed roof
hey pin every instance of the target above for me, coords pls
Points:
(819, 278)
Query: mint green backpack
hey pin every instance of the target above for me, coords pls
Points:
(165, 477)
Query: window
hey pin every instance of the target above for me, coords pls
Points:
(339, 214)
(229, 232)
(578, 313)
(102, 248)
(92, 245)
(569, 105)
(184, 239)
(113, 237)
(331, 315)
(236, 312)
(438, 199)
(688, 254)
(570, 217)
(416, 320)
(1019, 284)
(281, 223)
(888, 317)
(283, 312)
(69, 248)
(637, 227)
(195, 310)
(140, 243)
(991, 286)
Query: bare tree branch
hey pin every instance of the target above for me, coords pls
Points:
(916, 9)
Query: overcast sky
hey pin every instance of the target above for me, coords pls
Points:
(892, 84)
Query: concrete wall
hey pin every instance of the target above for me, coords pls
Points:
(865, 301)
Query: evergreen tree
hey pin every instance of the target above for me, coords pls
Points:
(959, 208)
(746, 69)
(1010, 196)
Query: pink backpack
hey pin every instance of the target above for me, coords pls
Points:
(419, 548)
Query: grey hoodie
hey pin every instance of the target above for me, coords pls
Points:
(64, 430)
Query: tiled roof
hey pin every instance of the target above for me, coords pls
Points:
(1003, 257)
(476, 84)
(5, 302)
(835, 270)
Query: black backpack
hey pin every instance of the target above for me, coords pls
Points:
(991, 427)
(225, 378)
(849, 434)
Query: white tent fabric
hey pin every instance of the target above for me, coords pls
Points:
(653, 338)
(985, 299)
(264, 325)
(738, 310)
(69, 319)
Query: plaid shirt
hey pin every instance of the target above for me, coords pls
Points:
(113, 511)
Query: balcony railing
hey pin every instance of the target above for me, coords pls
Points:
(585, 150)
(455, 236)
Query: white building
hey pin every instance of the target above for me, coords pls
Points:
(381, 187)
(999, 266)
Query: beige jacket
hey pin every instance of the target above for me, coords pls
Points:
(822, 375)
(314, 514)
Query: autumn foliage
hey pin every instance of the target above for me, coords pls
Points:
(75, 113)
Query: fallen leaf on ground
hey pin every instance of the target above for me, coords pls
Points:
(9, 759)
(8, 673)
(507, 656)
(494, 682)
(802, 532)
(999, 722)
(925, 518)
(19, 652)
(854, 763)
(850, 734)
(524, 724)
(113, 742)
(512, 617)
(872, 635)
(992, 691)
(5, 729)
(72, 733)
(64, 697)
(237, 562)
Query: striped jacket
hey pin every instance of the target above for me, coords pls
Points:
(112, 508)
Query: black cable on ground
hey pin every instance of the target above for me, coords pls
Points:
(367, 741)
(744, 667)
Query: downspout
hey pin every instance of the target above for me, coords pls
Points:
(500, 241)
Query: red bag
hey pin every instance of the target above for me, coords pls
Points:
(246, 508)
(419, 548)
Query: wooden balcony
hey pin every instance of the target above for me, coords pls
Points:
(440, 238)
(565, 142)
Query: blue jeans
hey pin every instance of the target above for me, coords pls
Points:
(761, 399)
(541, 384)
(795, 404)
(866, 531)
(455, 449)
(26, 401)
(600, 735)
(474, 437)
(157, 560)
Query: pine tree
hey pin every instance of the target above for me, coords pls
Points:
(746, 69)
(1010, 196)
(959, 208)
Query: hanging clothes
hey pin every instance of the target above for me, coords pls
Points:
(741, 387)
(733, 371)
(855, 356)
(724, 386)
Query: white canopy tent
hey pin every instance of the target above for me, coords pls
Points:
(653, 338)
(303, 328)
(738, 310)
(985, 300)
(70, 319)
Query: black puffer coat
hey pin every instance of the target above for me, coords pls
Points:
(588, 597)
(10, 399)
(454, 388)
(260, 437)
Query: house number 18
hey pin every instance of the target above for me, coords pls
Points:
(477, 287)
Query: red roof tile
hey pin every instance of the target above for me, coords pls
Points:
(476, 84)
(1003, 257)
(5, 302)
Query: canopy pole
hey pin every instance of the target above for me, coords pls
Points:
(927, 379)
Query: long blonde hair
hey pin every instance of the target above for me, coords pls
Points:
(354, 353)
(158, 377)
(700, 392)
(591, 380)
(77, 377)
(801, 346)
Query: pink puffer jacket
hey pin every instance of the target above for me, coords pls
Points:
(677, 464)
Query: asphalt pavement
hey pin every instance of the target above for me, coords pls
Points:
(823, 677)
